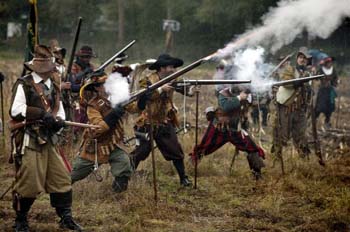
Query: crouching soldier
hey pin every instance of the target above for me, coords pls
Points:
(223, 128)
(103, 145)
(37, 108)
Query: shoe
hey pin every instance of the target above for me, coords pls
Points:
(120, 184)
(68, 223)
(185, 182)
(21, 224)
(257, 175)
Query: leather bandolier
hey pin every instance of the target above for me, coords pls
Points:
(35, 97)
(162, 106)
(301, 97)
(231, 119)
(102, 145)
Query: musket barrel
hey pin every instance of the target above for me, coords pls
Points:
(210, 82)
(280, 64)
(297, 80)
(163, 81)
(110, 60)
(74, 47)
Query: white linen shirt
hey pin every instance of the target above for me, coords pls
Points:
(19, 105)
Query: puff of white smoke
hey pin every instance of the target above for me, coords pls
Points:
(282, 24)
(250, 65)
(117, 88)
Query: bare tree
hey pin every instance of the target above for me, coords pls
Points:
(121, 19)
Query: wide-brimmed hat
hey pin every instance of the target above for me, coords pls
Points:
(166, 60)
(326, 60)
(43, 60)
(57, 49)
(121, 58)
(304, 51)
(95, 79)
(85, 51)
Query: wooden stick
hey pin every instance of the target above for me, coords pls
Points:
(78, 124)
(196, 139)
(151, 138)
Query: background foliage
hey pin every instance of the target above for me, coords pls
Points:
(206, 25)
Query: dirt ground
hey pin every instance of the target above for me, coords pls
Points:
(308, 198)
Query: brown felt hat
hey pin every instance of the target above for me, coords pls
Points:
(86, 51)
(43, 60)
(57, 49)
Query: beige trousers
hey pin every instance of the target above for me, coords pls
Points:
(42, 170)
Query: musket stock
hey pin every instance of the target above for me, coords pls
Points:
(15, 125)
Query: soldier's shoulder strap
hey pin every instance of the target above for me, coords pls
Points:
(101, 104)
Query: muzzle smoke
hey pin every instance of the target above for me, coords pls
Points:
(282, 24)
(117, 88)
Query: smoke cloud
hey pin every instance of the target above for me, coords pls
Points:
(250, 65)
(117, 88)
(282, 24)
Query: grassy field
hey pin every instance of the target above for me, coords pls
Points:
(308, 198)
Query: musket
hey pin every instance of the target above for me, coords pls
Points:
(14, 125)
(280, 64)
(66, 94)
(196, 141)
(110, 60)
(184, 82)
(297, 81)
(165, 80)
(74, 47)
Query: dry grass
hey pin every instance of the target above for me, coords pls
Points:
(307, 198)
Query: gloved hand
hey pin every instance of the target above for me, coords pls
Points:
(112, 118)
(48, 119)
(51, 123)
(58, 124)
(141, 103)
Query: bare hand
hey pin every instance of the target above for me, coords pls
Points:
(167, 87)
(66, 85)
(243, 95)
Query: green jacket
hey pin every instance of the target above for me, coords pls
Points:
(231, 107)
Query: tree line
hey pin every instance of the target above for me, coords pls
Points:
(206, 25)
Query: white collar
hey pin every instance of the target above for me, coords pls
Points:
(327, 71)
(37, 79)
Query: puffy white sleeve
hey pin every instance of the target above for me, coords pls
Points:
(19, 105)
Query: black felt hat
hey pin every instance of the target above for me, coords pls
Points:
(166, 60)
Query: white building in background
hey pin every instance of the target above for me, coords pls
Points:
(13, 30)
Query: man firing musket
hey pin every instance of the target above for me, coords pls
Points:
(82, 69)
(292, 101)
(163, 115)
(104, 145)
